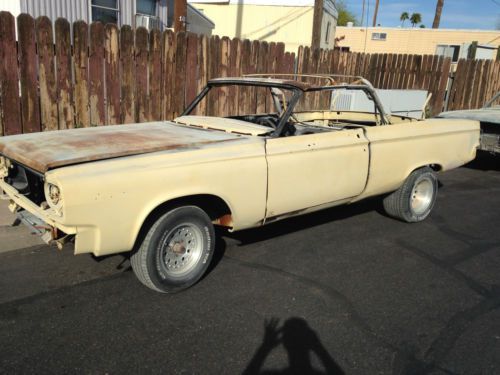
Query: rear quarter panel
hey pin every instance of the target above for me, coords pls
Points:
(397, 150)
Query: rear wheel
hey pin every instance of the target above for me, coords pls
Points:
(414, 200)
(176, 250)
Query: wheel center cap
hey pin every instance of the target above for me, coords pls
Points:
(179, 248)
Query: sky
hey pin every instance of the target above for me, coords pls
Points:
(457, 14)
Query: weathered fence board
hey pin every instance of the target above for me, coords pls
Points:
(96, 74)
(261, 68)
(191, 67)
(47, 74)
(112, 73)
(141, 75)
(168, 59)
(81, 88)
(234, 71)
(9, 77)
(64, 75)
(202, 58)
(179, 76)
(225, 45)
(128, 83)
(30, 109)
(213, 61)
(155, 75)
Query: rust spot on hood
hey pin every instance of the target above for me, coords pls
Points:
(52, 149)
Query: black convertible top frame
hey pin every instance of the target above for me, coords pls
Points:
(298, 88)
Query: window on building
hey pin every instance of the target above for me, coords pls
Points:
(146, 7)
(105, 11)
(145, 14)
(379, 36)
(448, 51)
(327, 34)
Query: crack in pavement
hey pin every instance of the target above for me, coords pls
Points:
(458, 323)
(471, 283)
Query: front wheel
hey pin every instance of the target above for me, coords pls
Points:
(414, 200)
(176, 250)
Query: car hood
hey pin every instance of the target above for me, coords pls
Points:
(491, 115)
(52, 149)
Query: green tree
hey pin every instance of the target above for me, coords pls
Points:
(345, 14)
(422, 26)
(404, 16)
(415, 19)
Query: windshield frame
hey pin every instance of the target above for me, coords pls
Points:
(297, 93)
(283, 119)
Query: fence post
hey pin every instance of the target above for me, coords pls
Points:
(471, 54)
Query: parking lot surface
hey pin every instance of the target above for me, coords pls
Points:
(346, 290)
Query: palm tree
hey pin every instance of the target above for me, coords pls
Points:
(415, 19)
(437, 15)
(404, 16)
(375, 13)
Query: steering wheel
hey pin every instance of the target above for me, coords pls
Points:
(268, 121)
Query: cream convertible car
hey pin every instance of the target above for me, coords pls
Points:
(157, 189)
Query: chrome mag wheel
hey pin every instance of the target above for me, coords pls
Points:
(181, 249)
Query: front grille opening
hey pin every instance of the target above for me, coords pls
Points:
(26, 182)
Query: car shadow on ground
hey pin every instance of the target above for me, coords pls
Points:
(299, 342)
(298, 223)
(485, 161)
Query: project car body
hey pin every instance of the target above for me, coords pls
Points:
(100, 185)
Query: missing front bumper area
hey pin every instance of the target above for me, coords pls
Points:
(50, 235)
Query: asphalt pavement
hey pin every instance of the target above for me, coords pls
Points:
(346, 290)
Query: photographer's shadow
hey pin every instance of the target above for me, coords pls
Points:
(299, 341)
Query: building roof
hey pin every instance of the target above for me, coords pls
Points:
(201, 15)
(291, 3)
(418, 29)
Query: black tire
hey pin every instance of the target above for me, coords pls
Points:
(405, 204)
(165, 261)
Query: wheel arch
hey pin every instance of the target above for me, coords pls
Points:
(436, 167)
(214, 206)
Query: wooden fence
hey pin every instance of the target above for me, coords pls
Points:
(105, 75)
(384, 71)
(474, 83)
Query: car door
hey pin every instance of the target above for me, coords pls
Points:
(314, 169)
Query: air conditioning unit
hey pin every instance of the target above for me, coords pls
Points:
(149, 22)
(408, 103)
